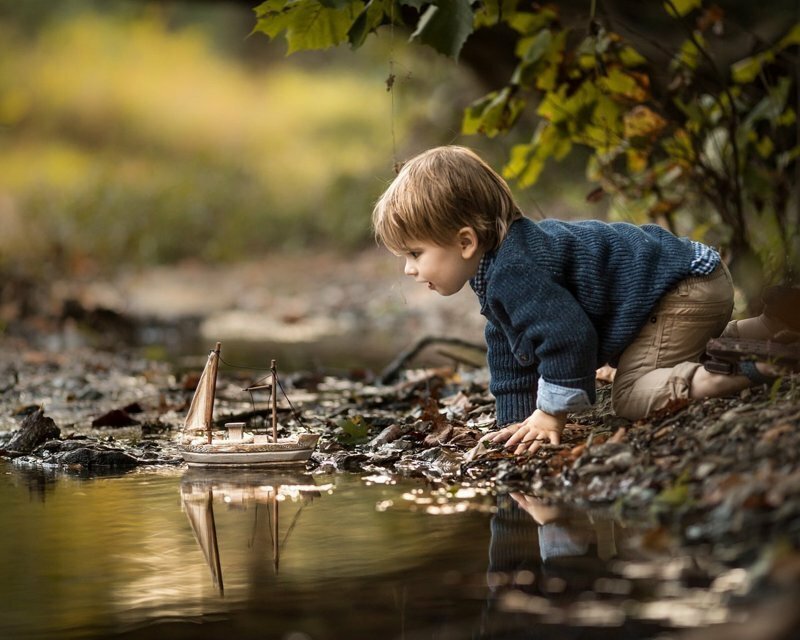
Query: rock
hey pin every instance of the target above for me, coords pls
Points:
(621, 461)
(88, 458)
(593, 469)
(36, 429)
(59, 446)
(114, 418)
(608, 449)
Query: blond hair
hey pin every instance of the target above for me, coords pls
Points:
(439, 192)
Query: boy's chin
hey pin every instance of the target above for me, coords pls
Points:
(446, 294)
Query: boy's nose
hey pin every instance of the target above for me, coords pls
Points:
(410, 269)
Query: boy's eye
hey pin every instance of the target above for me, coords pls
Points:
(414, 254)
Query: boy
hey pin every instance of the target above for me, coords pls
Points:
(563, 298)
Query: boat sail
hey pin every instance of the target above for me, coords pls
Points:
(201, 409)
(237, 449)
(199, 508)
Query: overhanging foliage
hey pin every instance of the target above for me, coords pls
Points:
(674, 136)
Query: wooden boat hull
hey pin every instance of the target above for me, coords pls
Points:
(228, 454)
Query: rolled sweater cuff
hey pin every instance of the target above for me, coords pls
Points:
(553, 398)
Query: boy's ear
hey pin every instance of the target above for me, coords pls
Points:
(467, 242)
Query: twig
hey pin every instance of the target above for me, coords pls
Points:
(393, 369)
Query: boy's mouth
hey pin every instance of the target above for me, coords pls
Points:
(431, 286)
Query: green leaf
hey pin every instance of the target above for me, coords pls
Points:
(553, 105)
(772, 106)
(493, 113)
(689, 55)
(524, 165)
(527, 160)
(623, 84)
(531, 51)
(527, 23)
(308, 24)
(677, 495)
(533, 48)
(546, 80)
(679, 8)
(273, 16)
(630, 57)
(445, 26)
(490, 12)
(747, 70)
(367, 21)
(787, 118)
(765, 147)
(595, 120)
(354, 430)
(793, 37)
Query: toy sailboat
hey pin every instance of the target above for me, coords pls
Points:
(236, 448)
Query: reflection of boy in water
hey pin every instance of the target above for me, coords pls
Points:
(544, 551)
(565, 535)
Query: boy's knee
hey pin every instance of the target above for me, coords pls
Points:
(623, 403)
(653, 391)
(625, 406)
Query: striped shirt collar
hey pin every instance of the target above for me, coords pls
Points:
(704, 259)
(478, 281)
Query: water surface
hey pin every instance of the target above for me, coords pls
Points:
(172, 553)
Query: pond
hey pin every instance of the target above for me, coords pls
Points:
(177, 553)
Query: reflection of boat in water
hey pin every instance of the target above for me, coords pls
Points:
(241, 488)
(237, 448)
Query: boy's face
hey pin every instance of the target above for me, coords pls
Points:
(444, 269)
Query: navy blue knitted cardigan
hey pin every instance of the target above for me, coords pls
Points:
(562, 298)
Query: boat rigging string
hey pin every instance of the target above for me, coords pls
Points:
(256, 386)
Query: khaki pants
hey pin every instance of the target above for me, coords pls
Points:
(659, 364)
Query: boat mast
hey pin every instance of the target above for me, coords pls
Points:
(209, 417)
(274, 400)
(276, 549)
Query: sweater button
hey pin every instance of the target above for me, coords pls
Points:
(653, 319)
(523, 358)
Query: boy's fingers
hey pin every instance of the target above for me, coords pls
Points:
(516, 438)
(532, 444)
(504, 434)
(528, 446)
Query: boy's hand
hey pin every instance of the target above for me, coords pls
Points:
(542, 513)
(528, 436)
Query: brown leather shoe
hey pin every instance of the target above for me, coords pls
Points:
(730, 357)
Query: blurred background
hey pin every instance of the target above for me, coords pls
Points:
(149, 150)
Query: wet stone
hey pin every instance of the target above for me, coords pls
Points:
(61, 446)
(88, 458)
(36, 428)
